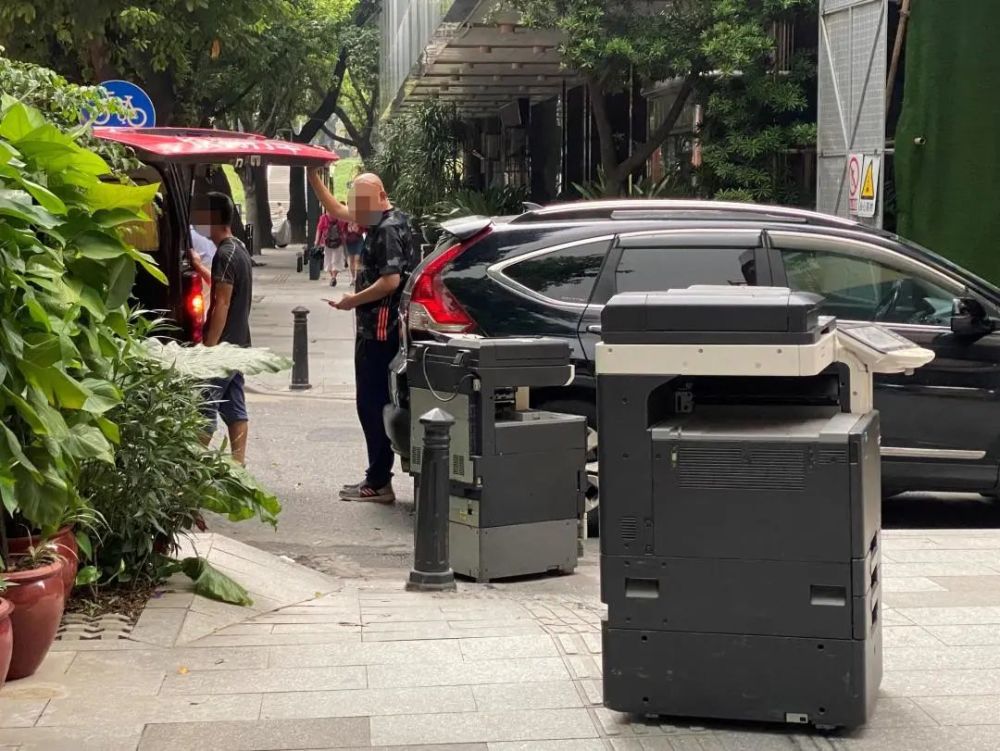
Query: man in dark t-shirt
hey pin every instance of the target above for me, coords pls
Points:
(228, 317)
(378, 287)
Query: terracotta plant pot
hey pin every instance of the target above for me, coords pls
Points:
(65, 542)
(6, 639)
(38, 598)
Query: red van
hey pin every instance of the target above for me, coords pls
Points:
(182, 161)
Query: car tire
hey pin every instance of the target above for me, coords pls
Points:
(587, 410)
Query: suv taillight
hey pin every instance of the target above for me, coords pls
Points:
(194, 307)
(432, 306)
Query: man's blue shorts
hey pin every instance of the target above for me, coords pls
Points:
(224, 396)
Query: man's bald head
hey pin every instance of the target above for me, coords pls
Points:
(368, 200)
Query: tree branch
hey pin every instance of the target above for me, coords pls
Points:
(645, 150)
(338, 139)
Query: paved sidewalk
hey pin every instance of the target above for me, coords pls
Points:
(323, 663)
(278, 288)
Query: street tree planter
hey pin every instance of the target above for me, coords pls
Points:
(65, 543)
(38, 597)
(6, 639)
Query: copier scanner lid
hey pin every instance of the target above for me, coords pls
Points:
(715, 315)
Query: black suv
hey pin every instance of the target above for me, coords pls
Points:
(550, 271)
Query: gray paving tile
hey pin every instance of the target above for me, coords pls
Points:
(263, 681)
(366, 654)
(173, 600)
(572, 745)
(953, 616)
(983, 738)
(968, 583)
(259, 735)
(502, 697)
(942, 658)
(891, 712)
(171, 660)
(479, 727)
(447, 630)
(983, 557)
(123, 737)
(20, 713)
(892, 617)
(159, 626)
(113, 682)
(919, 683)
(368, 702)
(910, 584)
(895, 570)
(942, 600)
(908, 636)
(967, 635)
(320, 616)
(275, 640)
(507, 647)
(242, 629)
(468, 673)
(96, 711)
(962, 710)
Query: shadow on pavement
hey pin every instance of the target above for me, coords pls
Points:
(940, 511)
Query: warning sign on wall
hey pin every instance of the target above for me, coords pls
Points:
(854, 164)
(868, 196)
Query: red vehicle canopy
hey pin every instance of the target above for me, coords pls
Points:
(194, 146)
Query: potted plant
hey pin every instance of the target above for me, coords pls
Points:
(38, 597)
(76, 528)
(6, 632)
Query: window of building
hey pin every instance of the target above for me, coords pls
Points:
(860, 289)
(658, 269)
(566, 275)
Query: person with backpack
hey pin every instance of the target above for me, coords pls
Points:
(385, 262)
(355, 237)
(330, 234)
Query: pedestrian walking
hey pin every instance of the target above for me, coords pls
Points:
(331, 236)
(383, 266)
(228, 319)
(355, 238)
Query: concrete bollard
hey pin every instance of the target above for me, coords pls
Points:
(431, 562)
(300, 350)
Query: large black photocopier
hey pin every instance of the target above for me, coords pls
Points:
(517, 474)
(741, 505)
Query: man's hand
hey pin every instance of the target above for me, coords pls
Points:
(347, 302)
(325, 197)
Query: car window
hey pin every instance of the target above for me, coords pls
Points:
(861, 289)
(657, 269)
(567, 275)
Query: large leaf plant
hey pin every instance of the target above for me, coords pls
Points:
(66, 276)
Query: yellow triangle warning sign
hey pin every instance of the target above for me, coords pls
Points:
(868, 182)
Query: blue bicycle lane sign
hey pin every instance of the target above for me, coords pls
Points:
(142, 112)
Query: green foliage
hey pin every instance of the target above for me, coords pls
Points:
(672, 185)
(195, 57)
(162, 478)
(62, 103)
(497, 200)
(210, 582)
(418, 157)
(754, 115)
(66, 275)
(201, 363)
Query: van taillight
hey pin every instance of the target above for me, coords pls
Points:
(432, 306)
(194, 306)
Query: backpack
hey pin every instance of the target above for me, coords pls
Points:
(333, 238)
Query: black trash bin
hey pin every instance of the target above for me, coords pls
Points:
(315, 262)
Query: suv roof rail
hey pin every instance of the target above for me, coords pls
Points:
(676, 209)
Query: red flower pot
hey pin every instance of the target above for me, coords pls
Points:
(38, 598)
(65, 542)
(6, 639)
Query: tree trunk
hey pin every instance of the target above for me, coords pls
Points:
(259, 207)
(614, 179)
(297, 203)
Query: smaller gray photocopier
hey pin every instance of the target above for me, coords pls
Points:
(517, 474)
(741, 505)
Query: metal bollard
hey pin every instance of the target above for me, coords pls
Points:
(300, 350)
(431, 563)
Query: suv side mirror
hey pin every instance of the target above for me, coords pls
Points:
(969, 319)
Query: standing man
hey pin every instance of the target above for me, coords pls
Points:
(228, 317)
(378, 286)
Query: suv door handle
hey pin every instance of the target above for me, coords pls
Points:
(594, 328)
